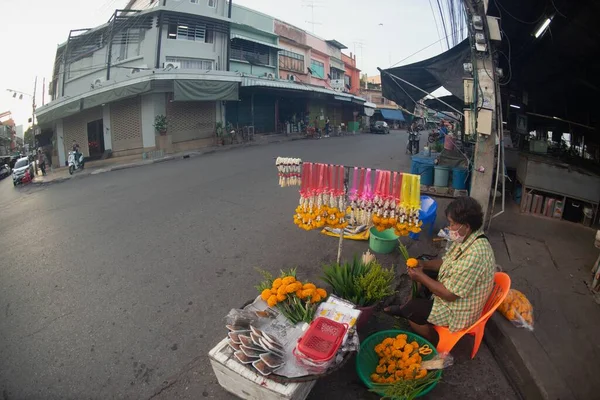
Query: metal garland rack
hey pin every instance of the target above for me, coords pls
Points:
(346, 180)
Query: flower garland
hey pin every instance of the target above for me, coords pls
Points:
(409, 206)
(289, 170)
(322, 197)
(361, 205)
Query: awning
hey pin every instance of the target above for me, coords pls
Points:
(249, 39)
(289, 85)
(370, 105)
(444, 70)
(394, 115)
(342, 98)
(200, 90)
(116, 94)
(68, 109)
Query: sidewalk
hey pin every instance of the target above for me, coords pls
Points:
(550, 262)
(117, 163)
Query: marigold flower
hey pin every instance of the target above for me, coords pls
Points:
(322, 293)
(272, 301)
(281, 297)
(265, 294)
(276, 283)
(412, 263)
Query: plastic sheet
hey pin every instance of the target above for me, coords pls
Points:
(517, 309)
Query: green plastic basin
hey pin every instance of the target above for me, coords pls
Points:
(382, 242)
(367, 359)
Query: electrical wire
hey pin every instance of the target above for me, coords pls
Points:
(557, 10)
(417, 52)
(500, 6)
(437, 29)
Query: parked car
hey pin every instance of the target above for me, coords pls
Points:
(380, 127)
(18, 171)
(4, 171)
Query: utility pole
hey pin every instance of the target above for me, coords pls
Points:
(33, 125)
(485, 118)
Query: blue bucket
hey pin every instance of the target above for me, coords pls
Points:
(459, 178)
(416, 160)
(426, 172)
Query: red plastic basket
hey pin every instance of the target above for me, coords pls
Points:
(322, 339)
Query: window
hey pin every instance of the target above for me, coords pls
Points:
(347, 81)
(193, 32)
(194, 1)
(318, 69)
(128, 41)
(291, 61)
(192, 63)
(254, 53)
(336, 73)
(212, 3)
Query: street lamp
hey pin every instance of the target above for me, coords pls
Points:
(21, 94)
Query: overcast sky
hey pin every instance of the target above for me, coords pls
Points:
(31, 30)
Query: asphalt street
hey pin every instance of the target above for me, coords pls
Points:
(113, 284)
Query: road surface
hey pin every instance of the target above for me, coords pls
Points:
(113, 284)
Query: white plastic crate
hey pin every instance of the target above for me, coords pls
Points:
(250, 385)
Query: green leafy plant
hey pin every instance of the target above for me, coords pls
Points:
(376, 284)
(342, 277)
(362, 284)
(406, 389)
(161, 124)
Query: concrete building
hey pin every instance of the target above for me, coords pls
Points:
(166, 57)
(197, 62)
(351, 74)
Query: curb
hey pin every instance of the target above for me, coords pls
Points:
(524, 362)
(196, 153)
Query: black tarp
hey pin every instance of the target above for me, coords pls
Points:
(453, 101)
(445, 70)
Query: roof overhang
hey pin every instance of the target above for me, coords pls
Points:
(337, 44)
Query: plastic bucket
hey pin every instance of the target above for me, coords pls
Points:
(426, 172)
(459, 178)
(382, 242)
(441, 176)
(365, 315)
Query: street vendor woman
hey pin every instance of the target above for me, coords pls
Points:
(453, 290)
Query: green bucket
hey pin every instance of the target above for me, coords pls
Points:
(382, 242)
(367, 359)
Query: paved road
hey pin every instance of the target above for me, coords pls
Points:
(113, 284)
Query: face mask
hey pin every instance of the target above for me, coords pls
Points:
(455, 236)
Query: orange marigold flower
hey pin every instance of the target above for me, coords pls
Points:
(412, 263)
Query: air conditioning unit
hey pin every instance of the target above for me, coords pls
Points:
(269, 75)
(171, 65)
(96, 83)
(138, 68)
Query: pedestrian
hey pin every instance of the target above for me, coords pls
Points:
(41, 160)
(327, 127)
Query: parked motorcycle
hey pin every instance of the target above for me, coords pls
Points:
(412, 146)
(75, 164)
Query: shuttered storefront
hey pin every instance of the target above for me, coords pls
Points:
(239, 113)
(75, 128)
(191, 120)
(126, 124)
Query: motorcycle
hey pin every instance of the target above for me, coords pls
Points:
(412, 146)
(75, 164)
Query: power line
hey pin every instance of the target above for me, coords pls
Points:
(437, 28)
(424, 48)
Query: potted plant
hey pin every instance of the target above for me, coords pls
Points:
(160, 124)
(363, 282)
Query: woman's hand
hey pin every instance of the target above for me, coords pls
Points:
(416, 274)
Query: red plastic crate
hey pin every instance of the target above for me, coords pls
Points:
(322, 339)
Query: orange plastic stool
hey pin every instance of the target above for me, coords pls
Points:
(449, 339)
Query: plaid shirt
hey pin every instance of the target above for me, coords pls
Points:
(468, 272)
